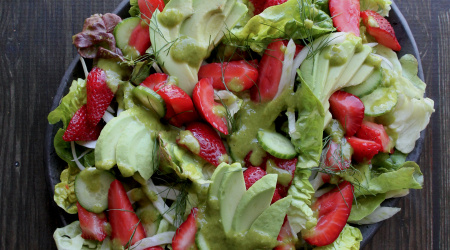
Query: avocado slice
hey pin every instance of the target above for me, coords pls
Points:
(134, 151)
(105, 150)
(216, 179)
(270, 221)
(254, 202)
(232, 189)
(363, 73)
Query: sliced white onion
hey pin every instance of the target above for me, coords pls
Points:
(291, 125)
(156, 67)
(83, 64)
(107, 117)
(286, 76)
(167, 213)
(234, 104)
(167, 192)
(110, 110)
(380, 214)
(156, 240)
(322, 191)
(75, 158)
(119, 110)
(371, 44)
(87, 144)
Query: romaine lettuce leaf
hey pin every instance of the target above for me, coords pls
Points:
(65, 190)
(293, 19)
(349, 238)
(381, 6)
(367, 182)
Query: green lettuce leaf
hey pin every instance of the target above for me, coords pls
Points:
(69, 103)
(64, 151)
(381, 6)
(65, 190)
(410, 68)
(379, 214)
(300, 213)
(349, 238)
(365, 205)
(293, 19)
(367, 182)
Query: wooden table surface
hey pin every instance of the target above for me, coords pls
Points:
(36, 48)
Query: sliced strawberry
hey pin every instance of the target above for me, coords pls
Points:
(140, 38)
(348, 110)
(154, 79)
(211, 111)
(184, 237)
(212, 148)
(363, 150)
(280, 193)
(345, 14)
(249, 164)
(270, 3)
(179, 101)
(269, 70)
(93, 226)
(334, 157)
(380, 28)
(252, 175)
(124, 221)
(375, 132)
(288, 165)
(259, 6)
(285, 238)
(334, 208)
(79, 129)
(326, 178)
(236, 75)
(147, 7)
(154, 248)
(99, 96)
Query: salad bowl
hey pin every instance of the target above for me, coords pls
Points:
(54, 165)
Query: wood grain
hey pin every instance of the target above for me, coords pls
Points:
(36, 48)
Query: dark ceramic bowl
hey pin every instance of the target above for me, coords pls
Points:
(54, 165)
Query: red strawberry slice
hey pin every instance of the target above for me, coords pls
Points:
(269, 70)
(363, 150)
(154, 79)
(375, 132)
(270, 3)
(79, 129)
(154, 248)
(259, 6)
(335, 159)
(214, 113)
(345, 14)
(280, 193)
(252, 175)
(249, 164)
(285, 238)
(236, 75)
(348, 110)
(184, 237)
(380, 28)
(334, 208)
(288, 165)
(124, 221)
(179, 101)
(212, 148)
(147, 7)
(93, 226)
(99, 96)
(140, 38)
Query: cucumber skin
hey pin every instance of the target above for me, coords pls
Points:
(368, 86)
(287, 151)
(154, 100)
(122, 31)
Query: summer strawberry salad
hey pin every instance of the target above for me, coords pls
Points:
(235, 124)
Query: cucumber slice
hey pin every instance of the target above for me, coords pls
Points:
(122, 33)
(150, 99)
(91, 189)
(368, 86)
(276, 144)
(200, 241)
(380, 101)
